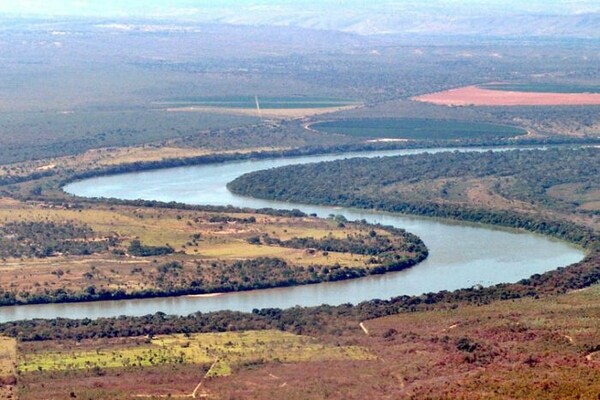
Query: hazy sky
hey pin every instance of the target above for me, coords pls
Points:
(189, 8)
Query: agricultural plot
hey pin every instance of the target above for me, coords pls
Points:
(262, 102)
(530, 96)
(416, 129)
(267, 107)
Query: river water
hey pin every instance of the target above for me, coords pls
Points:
(460, 254)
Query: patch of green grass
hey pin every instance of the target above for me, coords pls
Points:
(230, 349)
(417, 129)
(542, 87)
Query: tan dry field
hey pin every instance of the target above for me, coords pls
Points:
(109, 156)
(473, 95)
(265, 112)
(8, 364)
(146, 153)
(220, 241)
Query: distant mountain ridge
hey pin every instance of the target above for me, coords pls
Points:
(507, 18)
(577, 25)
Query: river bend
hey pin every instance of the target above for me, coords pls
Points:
(460, 254)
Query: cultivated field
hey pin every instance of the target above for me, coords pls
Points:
(415, 129)
(267, 107)
(258, 102)
(477, 96)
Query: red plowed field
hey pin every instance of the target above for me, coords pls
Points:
(473, 95)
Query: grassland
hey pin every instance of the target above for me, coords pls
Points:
(416, 129)
(8, 368)
(544, 348)
(54, 134)
(210, 252)
(211, 355)
(231, 349)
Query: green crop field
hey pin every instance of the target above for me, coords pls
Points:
(264, 102)
(419, 129)
(543, 87)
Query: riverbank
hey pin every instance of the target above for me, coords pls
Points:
(445, 248)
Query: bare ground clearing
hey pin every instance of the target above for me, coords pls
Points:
(473, 95)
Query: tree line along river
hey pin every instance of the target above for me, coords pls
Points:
(460, 254)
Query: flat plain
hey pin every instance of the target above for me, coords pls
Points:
(477, 96)
(414, 128)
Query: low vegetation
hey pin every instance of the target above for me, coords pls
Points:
(526, 348)
(523, 349)
(416, 129)
(116, 252)
(232, 349)
(53, 364)
(8, 368)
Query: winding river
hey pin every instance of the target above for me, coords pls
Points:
(461, 255)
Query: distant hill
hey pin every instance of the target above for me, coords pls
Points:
(381, 22)
(511, 18)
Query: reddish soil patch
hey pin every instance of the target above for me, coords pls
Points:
(473, 95)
